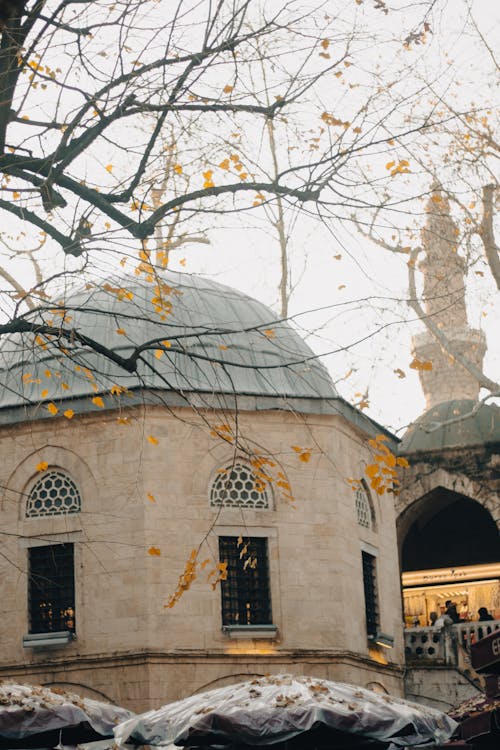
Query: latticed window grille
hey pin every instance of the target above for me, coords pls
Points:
(54, 494)
(245, 592)
(51, 588)
(363, 507)
(238, 487)
(371, 597)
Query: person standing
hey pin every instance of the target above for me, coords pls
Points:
(451, 611)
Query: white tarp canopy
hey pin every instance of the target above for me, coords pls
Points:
(301, 711)
(32, 716)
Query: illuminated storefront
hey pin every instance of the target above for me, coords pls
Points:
(469, 587)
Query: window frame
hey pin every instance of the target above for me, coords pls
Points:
(362, 487)
(63, 555)
(239, 464)
(371, 594)
(243, 582)
(54, 511)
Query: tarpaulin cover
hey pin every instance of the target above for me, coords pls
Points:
(34, 716)
(478, 716)
(274, 709)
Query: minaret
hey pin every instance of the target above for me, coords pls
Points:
(444, 302)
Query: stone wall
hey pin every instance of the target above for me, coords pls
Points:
(138, 494)
(439, 687)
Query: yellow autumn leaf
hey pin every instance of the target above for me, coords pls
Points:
(371, 470)
(123, 420)
(121, 332)
(166, 344)
(154, 551)
(97, 400)
(44, 393)
(403, 462)
(151, 498)
(224, 164)
(42, 466)
(419, 364)
(227, 89)
(325, 43)
(177, 169)
(207, 176)
(400, 373)
(158, 353)
(109, 168)
(305, 456)
(269, 333)
(16, 195)
(152, 440)
(182, 262)
(52, 408)
(69, 413)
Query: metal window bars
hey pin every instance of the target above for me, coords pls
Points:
(245, 592)
(51, 590)
(371, 596)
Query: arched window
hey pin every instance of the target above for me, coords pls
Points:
(238, 487)
(363, 507)
(53, 494)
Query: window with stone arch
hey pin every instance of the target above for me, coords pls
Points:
(239, 487)
(53, 494)
(364, 510)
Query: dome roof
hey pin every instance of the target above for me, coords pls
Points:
(218, 340)
(469, 423)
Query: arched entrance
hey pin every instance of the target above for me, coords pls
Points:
(450, 551)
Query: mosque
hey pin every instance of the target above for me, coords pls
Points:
(202, 516)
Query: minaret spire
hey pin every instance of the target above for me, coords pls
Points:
(444, 302)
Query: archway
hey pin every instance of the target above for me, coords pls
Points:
(450, 530)
(450, 551)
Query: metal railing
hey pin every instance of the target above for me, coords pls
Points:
(439, 646)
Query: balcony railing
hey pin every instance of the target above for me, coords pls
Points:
(440, 646)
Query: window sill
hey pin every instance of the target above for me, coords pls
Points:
(48, 640)
(250, 631)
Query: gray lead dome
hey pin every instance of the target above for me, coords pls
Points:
(460, 423)
(220, 341)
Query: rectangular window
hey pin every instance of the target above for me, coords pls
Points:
(371, 599)
(51, 588)
(245, 592)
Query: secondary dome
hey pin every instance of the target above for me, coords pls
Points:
(453, 424)
(218, 340)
